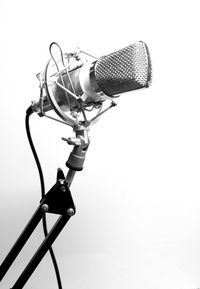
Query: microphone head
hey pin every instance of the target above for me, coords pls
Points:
(77, 84)
(124, 70)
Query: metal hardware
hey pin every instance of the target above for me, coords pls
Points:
(45, 208)
(70, 212)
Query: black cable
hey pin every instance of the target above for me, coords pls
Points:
(28, 114)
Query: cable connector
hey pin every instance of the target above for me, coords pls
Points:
(29, 110)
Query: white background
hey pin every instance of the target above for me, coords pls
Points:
(138, 202)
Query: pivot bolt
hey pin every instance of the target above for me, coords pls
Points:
(70, 212)
(45, 207)
(63, 189)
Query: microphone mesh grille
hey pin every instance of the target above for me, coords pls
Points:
(124, 70)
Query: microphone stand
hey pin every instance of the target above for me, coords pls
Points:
(58, 200)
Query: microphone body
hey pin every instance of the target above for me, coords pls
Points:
(107, 77)
(83, 83)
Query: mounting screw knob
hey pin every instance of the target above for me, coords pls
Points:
(45, 207)
(70, 212)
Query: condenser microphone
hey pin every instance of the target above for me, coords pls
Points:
(79, 88)
(111, 75)
(79, 82)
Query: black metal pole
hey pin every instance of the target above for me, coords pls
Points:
(44, 247)
(15, 250)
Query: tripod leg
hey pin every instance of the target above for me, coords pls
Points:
(15, 250)
(57, 228)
